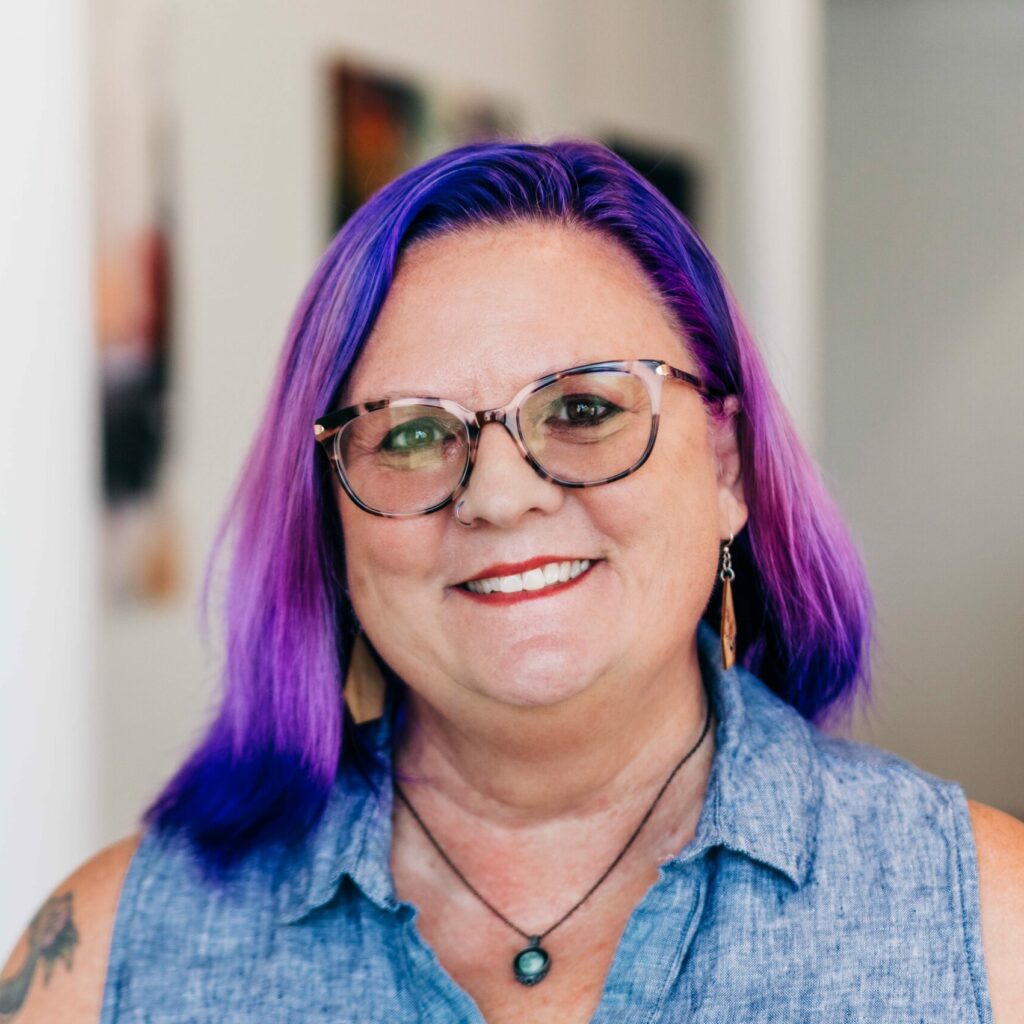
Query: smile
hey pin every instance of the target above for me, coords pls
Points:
(537, 582)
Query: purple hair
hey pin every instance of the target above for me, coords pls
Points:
(262, 773)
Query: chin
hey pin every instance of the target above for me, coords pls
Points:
(534, 694)
(538, 679)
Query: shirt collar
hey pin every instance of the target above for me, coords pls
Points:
(353, 836)
(764, 790)
(761, 801)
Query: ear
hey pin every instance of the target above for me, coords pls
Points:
(725, 449)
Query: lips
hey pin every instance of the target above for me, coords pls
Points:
(515, 568)
(535, 584)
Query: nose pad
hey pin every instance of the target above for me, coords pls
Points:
(497, 445)
(503, 483)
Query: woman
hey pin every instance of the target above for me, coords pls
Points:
(576, 774)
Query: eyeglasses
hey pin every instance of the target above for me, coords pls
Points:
(579, 427)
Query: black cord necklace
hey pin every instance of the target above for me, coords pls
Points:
(532, 963)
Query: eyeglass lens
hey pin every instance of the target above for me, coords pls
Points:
(582, 428)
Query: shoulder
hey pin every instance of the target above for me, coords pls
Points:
(74, 926)
(1000, 843)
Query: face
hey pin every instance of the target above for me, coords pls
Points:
(473, 317)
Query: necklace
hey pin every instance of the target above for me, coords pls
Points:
(531, 964)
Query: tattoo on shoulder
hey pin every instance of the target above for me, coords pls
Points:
(52, 936)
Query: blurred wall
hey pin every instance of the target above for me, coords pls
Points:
(49, 448)
(924, 367)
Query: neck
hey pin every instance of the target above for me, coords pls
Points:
(600, 755)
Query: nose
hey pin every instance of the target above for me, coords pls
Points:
(503, 486)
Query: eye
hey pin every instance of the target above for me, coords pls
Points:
(582, 410)
(415, 435)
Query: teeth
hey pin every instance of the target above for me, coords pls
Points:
(511, 584)
(533, 579)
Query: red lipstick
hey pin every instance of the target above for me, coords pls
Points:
(510, 568)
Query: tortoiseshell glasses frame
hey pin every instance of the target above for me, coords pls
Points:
(328, 429)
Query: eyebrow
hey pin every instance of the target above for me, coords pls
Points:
(391, 394)
(379, 396)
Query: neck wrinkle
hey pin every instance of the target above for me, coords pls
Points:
(615, 777)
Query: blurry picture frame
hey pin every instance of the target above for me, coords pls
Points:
(381, 122)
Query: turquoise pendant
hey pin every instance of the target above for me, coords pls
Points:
(532, 963)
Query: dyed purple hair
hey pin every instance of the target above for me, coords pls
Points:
(263, 771)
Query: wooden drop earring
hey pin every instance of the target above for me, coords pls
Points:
(728, 630)
(364, 684)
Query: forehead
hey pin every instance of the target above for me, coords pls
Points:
(475, 314)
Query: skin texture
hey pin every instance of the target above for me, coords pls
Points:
(67, 984)
(580, 680)
(539, 731)
(1000, 842)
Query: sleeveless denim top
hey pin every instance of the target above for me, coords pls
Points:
(828, 881)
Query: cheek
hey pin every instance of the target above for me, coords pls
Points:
(663, 522)
(392, 563)
(395, 586)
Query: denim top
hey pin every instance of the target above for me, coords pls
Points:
(827, 881)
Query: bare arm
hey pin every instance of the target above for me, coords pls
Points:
(58, 968)
(1000, 842)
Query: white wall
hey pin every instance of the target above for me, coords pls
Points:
(48, 459)
(775, 174)
(925, 367)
